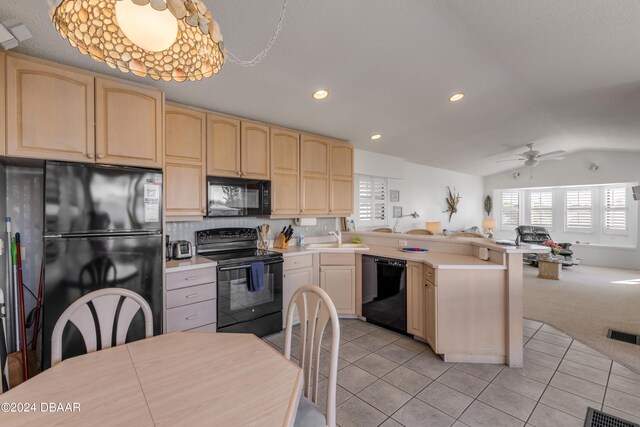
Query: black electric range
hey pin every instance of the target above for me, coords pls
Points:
(242, 308)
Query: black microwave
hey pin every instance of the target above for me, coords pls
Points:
(229, 197)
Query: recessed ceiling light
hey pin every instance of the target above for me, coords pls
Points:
(456, 97)
(376, 136)
(320, 94)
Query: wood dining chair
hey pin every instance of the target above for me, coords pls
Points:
(103, 318)
(315, 310)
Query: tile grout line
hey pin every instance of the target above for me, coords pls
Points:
(606, 389)
(549, 384)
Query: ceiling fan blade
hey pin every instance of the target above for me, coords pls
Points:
(510, 160)
(550, 158)
(552, 154)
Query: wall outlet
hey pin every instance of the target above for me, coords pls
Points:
(402, 243)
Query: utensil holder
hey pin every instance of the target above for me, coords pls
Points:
(280, 242)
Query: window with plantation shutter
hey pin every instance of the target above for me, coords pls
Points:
(371, 200)
(615, 210)
(541, 208)
(509, 209)
(579, 210)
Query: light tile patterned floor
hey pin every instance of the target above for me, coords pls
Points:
(388, 379)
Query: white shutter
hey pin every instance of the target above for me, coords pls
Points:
(579, 210)
(542, 208)
(509, 209)
(365, 191)
(615, 210)
(371, 200)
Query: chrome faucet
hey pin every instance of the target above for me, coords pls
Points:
(338, 235)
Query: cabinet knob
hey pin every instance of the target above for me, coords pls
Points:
(100, 156)
(89, 156)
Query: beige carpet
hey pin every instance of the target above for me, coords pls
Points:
(585, 303)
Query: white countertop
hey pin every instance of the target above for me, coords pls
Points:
(440, 260)
(192, 263)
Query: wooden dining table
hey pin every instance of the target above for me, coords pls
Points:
(178, 379)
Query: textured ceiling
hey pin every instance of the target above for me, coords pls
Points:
(564, 74)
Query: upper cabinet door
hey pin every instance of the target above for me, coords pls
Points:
(3, 113)
(185, 176)
(128, 124)
(50, 112)
(314, 169)
(223, 146)
(285, 172)
(254, 162)
(341, 178)
(185, 134)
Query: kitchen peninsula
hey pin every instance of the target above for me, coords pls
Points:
(467, 309)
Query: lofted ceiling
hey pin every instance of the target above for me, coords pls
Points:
(563, 74)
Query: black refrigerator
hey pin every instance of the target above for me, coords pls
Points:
(102, 229)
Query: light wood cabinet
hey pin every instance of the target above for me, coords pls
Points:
(191, 300)
(341, 179)
(3, 114)
(431, 315)
(415, 299)
(339, 282)
(50, 111)
(314, 170)
(237, 149)
(254, 151)
(223, 146)
(291, 282)
(285, 172)
(184, 173)
(128, 124)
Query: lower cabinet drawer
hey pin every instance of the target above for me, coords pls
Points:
(297, 261)
(211, 327)
(191, 295)
(196, 276)
(191, 316)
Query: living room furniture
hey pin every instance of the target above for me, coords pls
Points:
(538, 235)
(177, 379)
(550, 269)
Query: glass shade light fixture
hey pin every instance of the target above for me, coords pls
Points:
(163, 39)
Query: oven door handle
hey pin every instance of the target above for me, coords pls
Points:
(241, 267)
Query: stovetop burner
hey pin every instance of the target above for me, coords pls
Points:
(232, 245)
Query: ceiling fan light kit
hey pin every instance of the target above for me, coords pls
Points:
(163, 39)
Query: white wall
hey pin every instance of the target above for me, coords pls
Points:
(613, 167)
(423, 189)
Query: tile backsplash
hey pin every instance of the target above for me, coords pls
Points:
(186, 230)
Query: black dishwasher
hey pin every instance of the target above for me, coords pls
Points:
(384, 292)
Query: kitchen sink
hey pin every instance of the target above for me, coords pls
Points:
(335, 246)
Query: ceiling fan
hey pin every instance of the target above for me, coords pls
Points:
(533, 158)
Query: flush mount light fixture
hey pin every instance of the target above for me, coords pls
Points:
(456, 97)
(376, 136)
(320, 94)
(163, 39)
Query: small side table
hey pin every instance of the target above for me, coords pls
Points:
(549, 270)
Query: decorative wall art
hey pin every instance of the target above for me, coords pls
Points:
(452, 202)
(488, 205)
(397, 211)
(394, 196)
